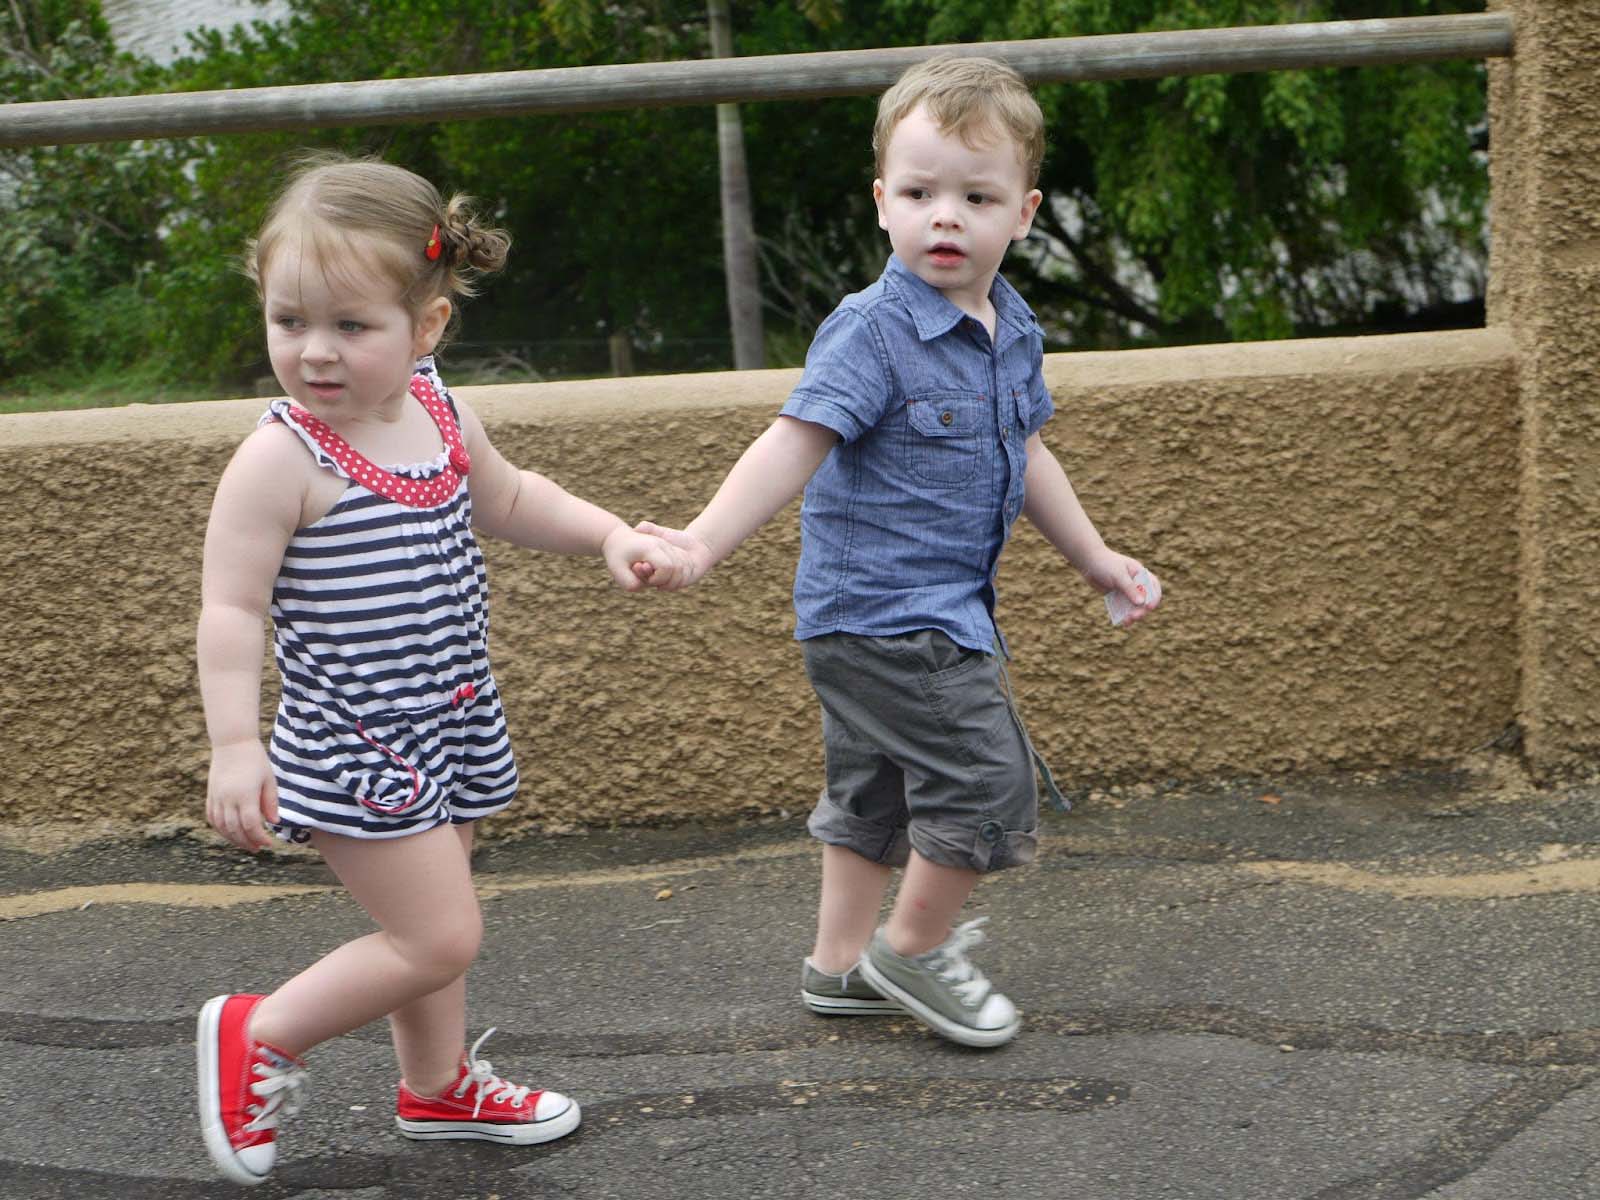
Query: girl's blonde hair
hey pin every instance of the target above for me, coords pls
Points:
(977, 99)
(363, 214)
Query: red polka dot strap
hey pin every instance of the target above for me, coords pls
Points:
(402, 489)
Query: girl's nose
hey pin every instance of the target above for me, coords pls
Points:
(319, 348)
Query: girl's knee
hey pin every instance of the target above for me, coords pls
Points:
(443, 951)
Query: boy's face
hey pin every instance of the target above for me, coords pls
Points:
(952, 210)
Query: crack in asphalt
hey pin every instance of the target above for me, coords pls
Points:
(455, 1168)
(1564, 1048)
(1467, 1145)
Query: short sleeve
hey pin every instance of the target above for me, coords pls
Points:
(1042, 406)
(846, 386)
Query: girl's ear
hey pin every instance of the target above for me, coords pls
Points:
(431, 321)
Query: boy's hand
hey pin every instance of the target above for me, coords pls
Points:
(696, 554)
(1111, 571)
(241, 794)
(636, 559)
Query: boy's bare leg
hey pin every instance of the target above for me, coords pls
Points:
(925, 909)
(852, 897)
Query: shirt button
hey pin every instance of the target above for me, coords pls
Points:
(946, 417)
(1005, 431)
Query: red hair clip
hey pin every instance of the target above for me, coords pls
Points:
(434, 246)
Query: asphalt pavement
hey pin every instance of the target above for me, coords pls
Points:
(1358, 988)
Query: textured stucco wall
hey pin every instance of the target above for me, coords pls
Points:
(1544, 274)
(1335, 522)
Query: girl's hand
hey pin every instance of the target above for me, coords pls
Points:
(1110, 571)
(697, 556)
(241, 794)
(636, 559)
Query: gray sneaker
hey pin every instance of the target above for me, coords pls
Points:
(943, 990)
(846, 995)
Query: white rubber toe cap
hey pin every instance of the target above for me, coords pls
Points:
(997, 1012)
(551, 1104)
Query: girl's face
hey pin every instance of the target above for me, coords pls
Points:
(341, 343)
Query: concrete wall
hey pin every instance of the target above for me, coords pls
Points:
(1377, 551)
(1335, 522)
(1544, 277)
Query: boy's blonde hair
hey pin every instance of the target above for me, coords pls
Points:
(978, 99)
(363, 214)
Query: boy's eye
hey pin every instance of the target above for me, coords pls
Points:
(917, 193)
(976, 198)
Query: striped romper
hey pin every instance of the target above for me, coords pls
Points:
(389, 721)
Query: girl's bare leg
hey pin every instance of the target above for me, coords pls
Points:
(847, 913)
(925, 909)
(431, 1031)
(419, 891)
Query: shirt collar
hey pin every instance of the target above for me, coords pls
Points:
(934, 315)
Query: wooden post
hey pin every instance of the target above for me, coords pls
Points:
(621, 347)
(739, 265)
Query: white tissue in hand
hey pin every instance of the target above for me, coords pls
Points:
(1119, 606)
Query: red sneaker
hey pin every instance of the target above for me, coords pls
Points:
(245, 1088)
(496, 1111)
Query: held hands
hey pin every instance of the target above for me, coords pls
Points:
(698, 556)
(637, 558)
(241, 795)
(1110, 571)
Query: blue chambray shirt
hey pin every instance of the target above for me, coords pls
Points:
(903, 524)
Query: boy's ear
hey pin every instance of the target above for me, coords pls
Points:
(431, 321)
(1030, 206)
(877, 199)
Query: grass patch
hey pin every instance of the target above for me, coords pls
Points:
(107, 387)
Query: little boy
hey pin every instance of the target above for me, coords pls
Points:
(914, 432)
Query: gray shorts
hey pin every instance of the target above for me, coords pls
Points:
(924, 750)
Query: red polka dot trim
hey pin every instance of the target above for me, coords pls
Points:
(402, 489)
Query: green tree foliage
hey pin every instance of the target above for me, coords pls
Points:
(1178, 210)
(82, 240)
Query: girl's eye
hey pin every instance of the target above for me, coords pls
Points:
(290, 323)
(351, 326)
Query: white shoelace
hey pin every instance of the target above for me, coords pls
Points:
(969, 984)
(481, 1074)
(281, 1089)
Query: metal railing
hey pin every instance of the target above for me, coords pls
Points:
(765, 77)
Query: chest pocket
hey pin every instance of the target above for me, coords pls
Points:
(943, 436)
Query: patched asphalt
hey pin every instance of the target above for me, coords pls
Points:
(1373, 988)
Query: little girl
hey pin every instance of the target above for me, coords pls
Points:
(390, 740)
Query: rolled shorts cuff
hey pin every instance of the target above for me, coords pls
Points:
(989, 847)
(873, 840)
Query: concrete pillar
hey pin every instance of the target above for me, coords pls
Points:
(1544, 286)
